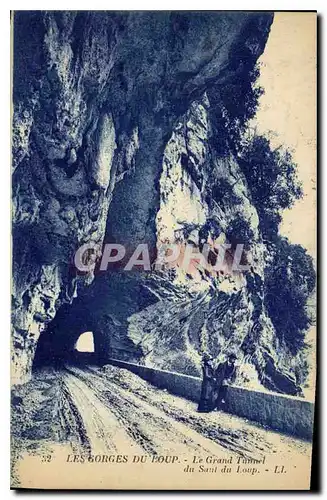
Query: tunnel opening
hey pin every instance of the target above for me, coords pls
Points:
(84, 350)
(85, 342)
(56, 350)
(68, 339)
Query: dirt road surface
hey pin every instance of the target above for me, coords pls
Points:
(108, 410)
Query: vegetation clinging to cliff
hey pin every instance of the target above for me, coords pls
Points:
(271, 175)
(289, 282)
(273, 183)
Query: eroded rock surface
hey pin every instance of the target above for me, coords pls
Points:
(114, 140)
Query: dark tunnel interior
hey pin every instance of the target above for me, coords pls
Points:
(58, 344)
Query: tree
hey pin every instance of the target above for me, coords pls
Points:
(289, 281)
(233, 105)
(240, 99)
(271, 175)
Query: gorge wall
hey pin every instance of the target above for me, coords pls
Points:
(115, 124)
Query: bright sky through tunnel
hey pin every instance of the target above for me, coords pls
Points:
(85, 342)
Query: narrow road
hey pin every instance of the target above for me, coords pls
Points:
(110, 412)
(114, 410)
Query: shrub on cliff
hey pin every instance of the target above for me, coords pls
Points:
(241, 100)
(271, 175)
(233, 105)
(289, 282)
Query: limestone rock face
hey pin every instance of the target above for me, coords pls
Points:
(114, 120)
(217, 312)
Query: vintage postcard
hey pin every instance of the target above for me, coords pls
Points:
(163, 249)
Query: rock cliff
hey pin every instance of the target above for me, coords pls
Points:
(115, 125)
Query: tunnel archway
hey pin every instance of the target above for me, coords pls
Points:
(56, 346)
(68, 338)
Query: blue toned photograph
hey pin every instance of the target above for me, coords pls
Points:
(163, 250)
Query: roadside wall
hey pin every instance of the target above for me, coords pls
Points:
(288, 414)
